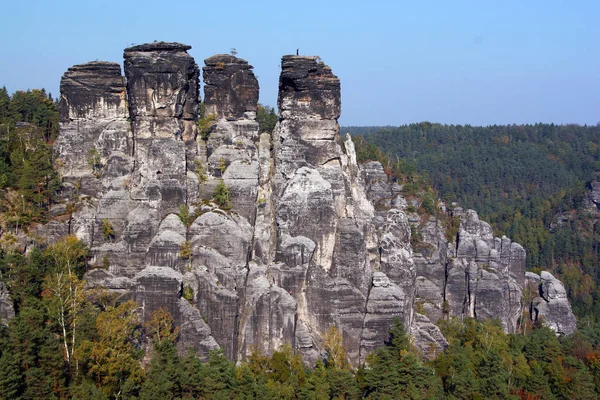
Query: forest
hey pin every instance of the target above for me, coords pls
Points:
(69, 341)
(530, 182)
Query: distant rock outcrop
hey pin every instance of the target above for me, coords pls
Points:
(551, 308)
(254, 241)
(473, 274)
(7, 309)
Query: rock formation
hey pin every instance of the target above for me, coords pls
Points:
(7, 309)
(551, 306)
(473, 274)
(254, 240)
(94, 126)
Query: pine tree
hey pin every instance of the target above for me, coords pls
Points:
(11, 379)
(493, 377)
(397, 372)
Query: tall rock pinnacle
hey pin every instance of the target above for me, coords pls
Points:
(309, 105)
(329, 253)
(93, 121)
(162, 84)
(231, 89)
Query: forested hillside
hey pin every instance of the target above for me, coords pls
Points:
(530, 182)
(69, 341)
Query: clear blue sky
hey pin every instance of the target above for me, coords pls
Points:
(463, 62)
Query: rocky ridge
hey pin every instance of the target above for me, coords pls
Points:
(287, 234)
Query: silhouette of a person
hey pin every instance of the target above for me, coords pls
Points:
(297, 52)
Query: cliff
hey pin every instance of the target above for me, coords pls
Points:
(271, 238)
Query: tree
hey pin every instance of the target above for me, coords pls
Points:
(94, 160)
(493, 377)
(4, 103)
(205, 125)
(112, 357)
(221, 196)
(334, 347)
(394, 371)
(64, 290)
(163, 377)
(160, 326)
(11, 380)
(266, 118)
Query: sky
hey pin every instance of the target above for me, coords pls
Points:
(479, 62)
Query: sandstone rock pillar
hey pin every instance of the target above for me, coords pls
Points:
(93, 123)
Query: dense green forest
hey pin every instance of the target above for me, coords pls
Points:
(68, 341)
(28, 127)
(529, 181)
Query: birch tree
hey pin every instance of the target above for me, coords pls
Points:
(64, 292)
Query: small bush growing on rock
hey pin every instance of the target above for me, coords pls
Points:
(184, 215)
(420, 306)
(185, 252)
(200, 171)
(188, 293)
(221, 196)
(262, 201)
(266, 118)
(108, 233)
(416, 235)
(452, 229)
(94, 161)
(205, 125)
(222, 165)
(428, 203)
(446, 307)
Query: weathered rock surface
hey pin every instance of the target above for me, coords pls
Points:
(551, 307)
(162, 88)
(7, 309)
(309, 239)
(230, 87)
(230, 153)
(93, 118)
(592, 201)
(475, 274)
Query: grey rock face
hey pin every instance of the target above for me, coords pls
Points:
(162, 88)
(93, 117)
(593, 198)
(551, 308)
(475, 275)
(231, 89)
(427, 336)
(230, 153)
(7, 309)
(309, 239)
